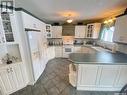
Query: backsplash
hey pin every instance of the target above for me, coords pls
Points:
(77, 41)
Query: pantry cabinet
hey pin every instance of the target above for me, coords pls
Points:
(80, 31)
(120, 30)
(92, 30)
(13, 78)
(56, 31)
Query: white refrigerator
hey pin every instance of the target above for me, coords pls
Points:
(35, 44)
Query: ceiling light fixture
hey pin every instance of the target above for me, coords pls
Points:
(69, 20)
(109, 21)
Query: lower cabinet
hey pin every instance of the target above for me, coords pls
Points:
(87, 75)
(108, 76)
(58, 51)
(101, 77)
(13, 78)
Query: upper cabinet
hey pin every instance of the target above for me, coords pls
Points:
(48, 31)
(8, 28)
(80, 31)
(92, 30)
(120, 30)
(30, 21)
(56, 31)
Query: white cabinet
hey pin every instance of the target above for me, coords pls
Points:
(80, 31)
(51, 52)
(120, 30)
(13, 78)
(58, 51)
(2, 36)
(92, 30)
(48, 31)
(29, 21)
(108, 76)
(122, 78)
(56, 31)
(87, 75)
(8, 28)
(101, 77)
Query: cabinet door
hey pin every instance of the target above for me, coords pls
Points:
(122, 79)
(108, 75)
(120, 29)
(24, 73)
(93, 30)
(6, 81)
(57, 31)
(2, 36)
(80, 31)
(29, 21)
(87, 75)
(18, 75)
(58, 51)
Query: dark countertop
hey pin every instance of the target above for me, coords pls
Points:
(102, 58)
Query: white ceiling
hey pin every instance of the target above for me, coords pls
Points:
(57, 10)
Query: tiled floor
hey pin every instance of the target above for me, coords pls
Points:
(54, 81)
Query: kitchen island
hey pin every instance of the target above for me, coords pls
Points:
(100, 71)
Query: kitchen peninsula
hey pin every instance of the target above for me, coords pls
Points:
(100, 71)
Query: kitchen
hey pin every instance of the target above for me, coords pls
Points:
(63, 51)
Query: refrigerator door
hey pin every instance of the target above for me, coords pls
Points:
(34, 42)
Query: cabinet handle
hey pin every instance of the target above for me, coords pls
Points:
(11, 69)
(8, 70)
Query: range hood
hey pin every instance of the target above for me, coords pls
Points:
(68, 30)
